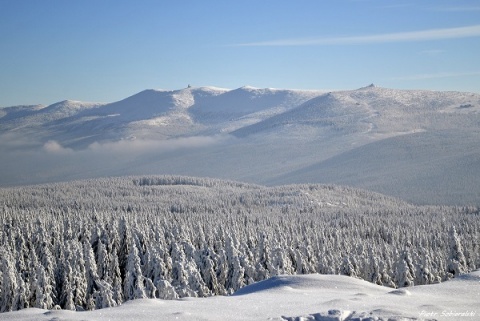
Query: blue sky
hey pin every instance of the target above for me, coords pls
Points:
(106, 50)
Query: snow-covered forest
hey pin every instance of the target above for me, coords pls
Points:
(98, 243)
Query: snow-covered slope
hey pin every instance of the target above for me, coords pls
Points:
(298, 298)
(10, 113)
(443, 165)
(247, 105)
(378, 112)
(153, 114)
(28, 117)
(256, 135)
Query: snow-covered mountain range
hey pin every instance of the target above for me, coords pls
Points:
(418, 145)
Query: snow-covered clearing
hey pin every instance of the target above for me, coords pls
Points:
(305, 297)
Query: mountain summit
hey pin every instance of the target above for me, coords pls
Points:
(406, 143)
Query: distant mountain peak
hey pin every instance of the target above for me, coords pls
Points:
(372, 85)
(247, 88)
(71, 105)
(207, 89)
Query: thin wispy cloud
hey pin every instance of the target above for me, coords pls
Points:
(438, 75)
(458, 8)
(422, 35)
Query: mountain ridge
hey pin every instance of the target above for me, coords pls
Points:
(219, 110)
(254, 135)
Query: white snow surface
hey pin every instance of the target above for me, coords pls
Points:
(298, 298)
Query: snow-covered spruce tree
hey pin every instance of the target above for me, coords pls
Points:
(20, 300)
(424, 271)
(8, 281)
(91, 275)
(32, 279)
(235, 277)
(21, 252)
(101, 258)
(281, 262)
(373, 270)
(79, 277)
(46, 259)
(165, 290)
(262, 257)
(207, 270)
(246, 260)
(43, 289)
(67, 290)
(405, 271)
(456, 261)
(186, 278)
(195, 280)
(134, 287)
(124, 248)
(108, 263)
(347, 268)
(221, 268)
(104, 296)
(153, 269)
(115, 278)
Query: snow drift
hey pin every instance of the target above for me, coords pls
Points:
(295, 298)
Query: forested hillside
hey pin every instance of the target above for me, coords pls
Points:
(98, 243)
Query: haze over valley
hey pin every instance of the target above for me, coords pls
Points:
(421, 146)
